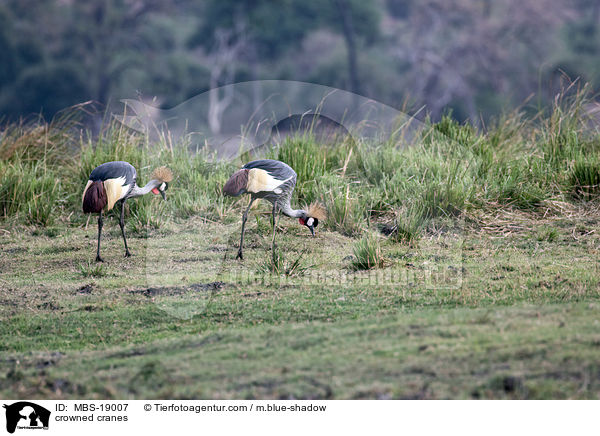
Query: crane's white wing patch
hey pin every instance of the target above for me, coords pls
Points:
(115, 190)
(261, 181)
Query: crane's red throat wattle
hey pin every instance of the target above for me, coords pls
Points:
(155, 191)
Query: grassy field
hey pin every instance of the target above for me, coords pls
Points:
(523, 324)
(465, 266)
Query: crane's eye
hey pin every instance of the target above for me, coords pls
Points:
(163, 187)
(309, 222)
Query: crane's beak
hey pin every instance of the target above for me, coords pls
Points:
(164, 196)
(312, 230)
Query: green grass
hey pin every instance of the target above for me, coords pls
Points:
(525, 353)
(449, 170)
(520, 322)
(30, 192)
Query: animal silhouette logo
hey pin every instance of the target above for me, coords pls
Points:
(26, 415)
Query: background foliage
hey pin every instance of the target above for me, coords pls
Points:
(478, 57)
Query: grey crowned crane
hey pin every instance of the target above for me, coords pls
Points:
(274, 181)
(116, 181)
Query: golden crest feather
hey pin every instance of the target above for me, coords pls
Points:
(316, 210)
(162, 174)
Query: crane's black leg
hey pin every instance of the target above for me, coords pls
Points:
(100, 222)
(240, 254)
(122, 224)
(275, 210)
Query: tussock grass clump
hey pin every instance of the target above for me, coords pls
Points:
(523, 184)
(92, 269)
(584, 178)
(409, 225)
(146, 213)
(562, 133)
(309, 159)
(367, 253)
(37, 140)
(277, 264)
(443, 199)
(29, 192)
(33, 155)
(450, 129)
(549, 234)
(378, 164)
(197, 187)
(345, 212)
(114, 143)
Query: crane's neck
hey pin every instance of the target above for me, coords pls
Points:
(138, 192)
(287, 210)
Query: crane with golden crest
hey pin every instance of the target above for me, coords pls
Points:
(274, 181)
(114, 182)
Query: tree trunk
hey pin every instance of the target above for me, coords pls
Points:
(348, 31)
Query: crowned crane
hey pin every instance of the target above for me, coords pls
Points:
(274, 181)
(116, 181)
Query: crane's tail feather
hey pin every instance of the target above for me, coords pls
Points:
(237, 183)
(94, 197)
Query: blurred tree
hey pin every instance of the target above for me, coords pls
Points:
(252, 33)
(354, 19)
(107, 36)
(9, 56)
(46, 88)
(580, 56)
(229, 44)
(475, 56)
(462, 51)
(273, 28)
(87, 49)
(17, 57)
